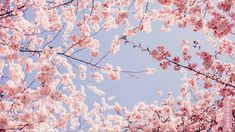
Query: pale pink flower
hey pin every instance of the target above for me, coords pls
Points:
(182, 22)
(184, 90)
(114, 75)
(164, 2)
(61, 122)
(226, 46)
(160, 53)
(42, 18)
(97, 76)
(129, 32)
(207, 59)
(94, 53)
(219, 25)
(225, 5)
(40, 41)
(3, 50)
(25, 117)
(218, 67)
(117, 107)
(165, 64)
(25, 99)
(93, 44)
(115, 47)
(232, 77)
(165, 29)
(207, 84)
(69, 14)
(39, 2)
(49, 37)
(45, 91)
(107, 68)
(4, 122)
(84, 28)
(29, 65)
(147, 25)
(184, 45)
(82, 68)
(121, 16)
(15, 72)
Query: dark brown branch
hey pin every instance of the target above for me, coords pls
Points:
(63, 4)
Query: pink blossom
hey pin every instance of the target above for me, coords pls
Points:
(176, 59)
(165, 64)
(232, 77)
(84, 28)
(219, 25)
(97, 76)
(207, 59)
(107, 68)
(225, 5)
(218, 67)
(226, 46)
(160, 53)
(68, 14)
(40, 41)
(61, 123)
(25, 99)
(94, 53)
(121, 16)
(192, 65)
(117, 108)
(164, 2)
(82, 68)
(207, 84)
(45, 91)
(29, 65)
(4, 122)
(147, 25)
(114, 75)
(115, 47)
(26, 117)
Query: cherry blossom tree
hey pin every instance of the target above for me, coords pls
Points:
(39, 64)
